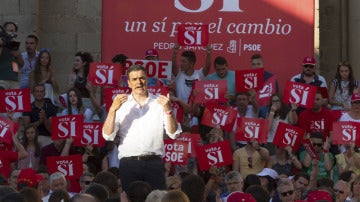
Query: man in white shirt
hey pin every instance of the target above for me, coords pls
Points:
(30, 57)
(141, 119)
(186, 75)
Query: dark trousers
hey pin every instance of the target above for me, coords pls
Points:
(151, 171)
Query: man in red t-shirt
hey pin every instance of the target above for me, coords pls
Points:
(317, 119)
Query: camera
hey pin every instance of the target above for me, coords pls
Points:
(8, 40)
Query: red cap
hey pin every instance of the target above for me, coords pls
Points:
(151, 52)
(355, 97)
(309, 60)
(240, 197)
(317, 195)
(29, 176)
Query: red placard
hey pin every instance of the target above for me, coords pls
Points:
(217, 154)
(154, 68)
(91, 135)
(300, 93)
(176, 151)
(249, 79)
(7, 129)
(158, 90)
(193, 35)
(110, 94)
(288, 135)
(70, 166)
(17, 100)
(70, 126)
(215, 114)
(345, 132)
(252, 129)
(310, 149)
(268, 89)
(193, 140)
(178, 111)
(210, 91)
(104, 74)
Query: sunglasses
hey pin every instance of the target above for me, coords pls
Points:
(45, 50)
(287, 193)
(309, 66)
(250, 162)
(336, 190)
(86, 182)
(317, 144)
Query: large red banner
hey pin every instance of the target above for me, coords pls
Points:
(282, 31)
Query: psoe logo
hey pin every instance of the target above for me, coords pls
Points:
(232, 46)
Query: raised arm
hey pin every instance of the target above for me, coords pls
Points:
(175, 67)
(108, 127)
(18, 58)
(253, 101)
(172, 124)
(207, 66)
(21, 150)
(292, 115)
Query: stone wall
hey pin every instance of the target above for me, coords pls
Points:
(64, 26)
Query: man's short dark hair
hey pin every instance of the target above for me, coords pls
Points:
(99, 191)
(243, 93)
(138, 191)
(190, 55)
(194, 187)
(220, 61)
(317, 135)
(135, 68)
(38, 85)
(119, 58)
(325, 183)
(301, 174)
(109, 180)
(256, 56)
(32, 36)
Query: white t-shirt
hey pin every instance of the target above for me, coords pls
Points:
(346, 117)
(184, 83)
(318, 77)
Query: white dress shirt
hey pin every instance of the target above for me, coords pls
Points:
(141, 128)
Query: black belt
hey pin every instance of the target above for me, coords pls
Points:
(142, 157)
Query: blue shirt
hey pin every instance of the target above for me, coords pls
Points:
(230, 78)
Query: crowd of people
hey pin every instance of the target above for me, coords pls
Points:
(130, 166)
